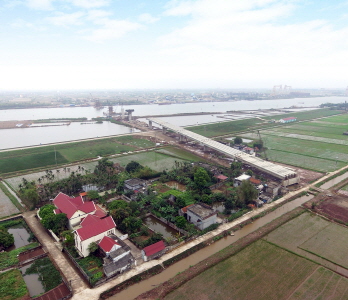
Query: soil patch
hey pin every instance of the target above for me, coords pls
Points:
(335, 207)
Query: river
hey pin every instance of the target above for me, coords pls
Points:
(148, 284)
(21, 137)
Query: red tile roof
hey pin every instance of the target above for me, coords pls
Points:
(154, 248)
(93, 226)
(221, 177)
(83, 194)
(107, 243)
(289, 118)
(69, 205)
(184, 209)
(254, 180)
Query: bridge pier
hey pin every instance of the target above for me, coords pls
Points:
(164, 130)
(150, 125)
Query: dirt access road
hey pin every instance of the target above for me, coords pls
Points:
(77, 284)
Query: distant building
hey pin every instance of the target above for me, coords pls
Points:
(221, 178)
(249, 150)
(201, 215)
(288, 120)
(134, 184)
(238, 180)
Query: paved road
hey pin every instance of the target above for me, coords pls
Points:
(78, 285)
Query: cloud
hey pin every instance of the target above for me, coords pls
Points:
(88, 4)
(147, 18)
(112, 29)
(66, 20)
(40, 4)
(97, 14)
(250, 39)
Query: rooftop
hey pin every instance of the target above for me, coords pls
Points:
(243, 177)
(201, 210)
(154, 248)
(92, 226)
(134, 181)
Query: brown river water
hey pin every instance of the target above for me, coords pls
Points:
(148, 284)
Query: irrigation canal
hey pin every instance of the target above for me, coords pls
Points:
(146, 285)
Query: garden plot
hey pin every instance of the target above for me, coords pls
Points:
(7, 208)
(330, 243)
(297, 231)
(322, 284)
(260, 271)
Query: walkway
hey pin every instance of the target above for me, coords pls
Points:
(77, 284)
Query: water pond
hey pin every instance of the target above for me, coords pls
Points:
(32, 281)
(21, 236)
(160, 227)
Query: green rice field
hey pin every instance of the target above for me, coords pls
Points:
(319, 145)
(45, 156)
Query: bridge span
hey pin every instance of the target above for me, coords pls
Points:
(286, 175)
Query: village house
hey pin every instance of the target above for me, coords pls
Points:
(238, 180)
(183, 211)
(201, 215)
(248, 150)
(76, 208)
(118, 257)
(272, 189)
(153, 251)
(134, 184)
(288, 120)
(92, 229)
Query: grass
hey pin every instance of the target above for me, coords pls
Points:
(12, 285)
(330, 243)
(9, 259)
(260, 271)
(322, 284)
(93, 266)
(11, 197)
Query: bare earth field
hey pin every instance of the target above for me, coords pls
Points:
(261, 271)
(335, 207)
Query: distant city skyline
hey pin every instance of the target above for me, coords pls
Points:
(178, 44)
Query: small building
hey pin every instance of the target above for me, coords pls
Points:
(118, 257)
(255, 181)
(153, 251)
(272, 189)
(249, 150)
(134, 184)
(288, 120)
(238, 180)
(201, 215)
(221, 178)
(183, 211)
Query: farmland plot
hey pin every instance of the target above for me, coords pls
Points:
(297, 231)
(260, 271)
(322, 284)
(330, 243)
(6, 206)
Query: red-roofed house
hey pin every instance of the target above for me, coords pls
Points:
(183, 211)
(92, 230)
(107, 244)
(221, 177)
(288, 120)
(76, 209)
(153, 251)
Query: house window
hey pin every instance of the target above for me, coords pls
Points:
(109, 232)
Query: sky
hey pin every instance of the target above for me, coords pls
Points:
(176, 44)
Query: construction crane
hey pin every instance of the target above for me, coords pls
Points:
(287, 89)
(277, 90)
(261, 142)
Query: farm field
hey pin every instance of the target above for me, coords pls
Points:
(311, 145)
(260, 271)
(161, 160)
(230, 127)
(330, 243)
(45, 156)
(12, 286)
(322, 284)
(7, 208)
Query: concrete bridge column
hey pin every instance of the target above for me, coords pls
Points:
(164, 130)
(150, 125)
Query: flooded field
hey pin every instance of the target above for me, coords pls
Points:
(139, 288)
(160, 227)
(334, 181)
(32, 281)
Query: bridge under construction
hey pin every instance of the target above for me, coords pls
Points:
(286, 175)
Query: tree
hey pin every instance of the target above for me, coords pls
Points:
(180, 221)
(93, 195)
(238, 140)
(201, 178)
(206, 199)
(133, 166)
(56, 223)
(246, 193)
(250, 172)
(31, 197)
(46, 210)
(92, 247)
(6, 239)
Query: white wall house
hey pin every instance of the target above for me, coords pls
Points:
(201, 215)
